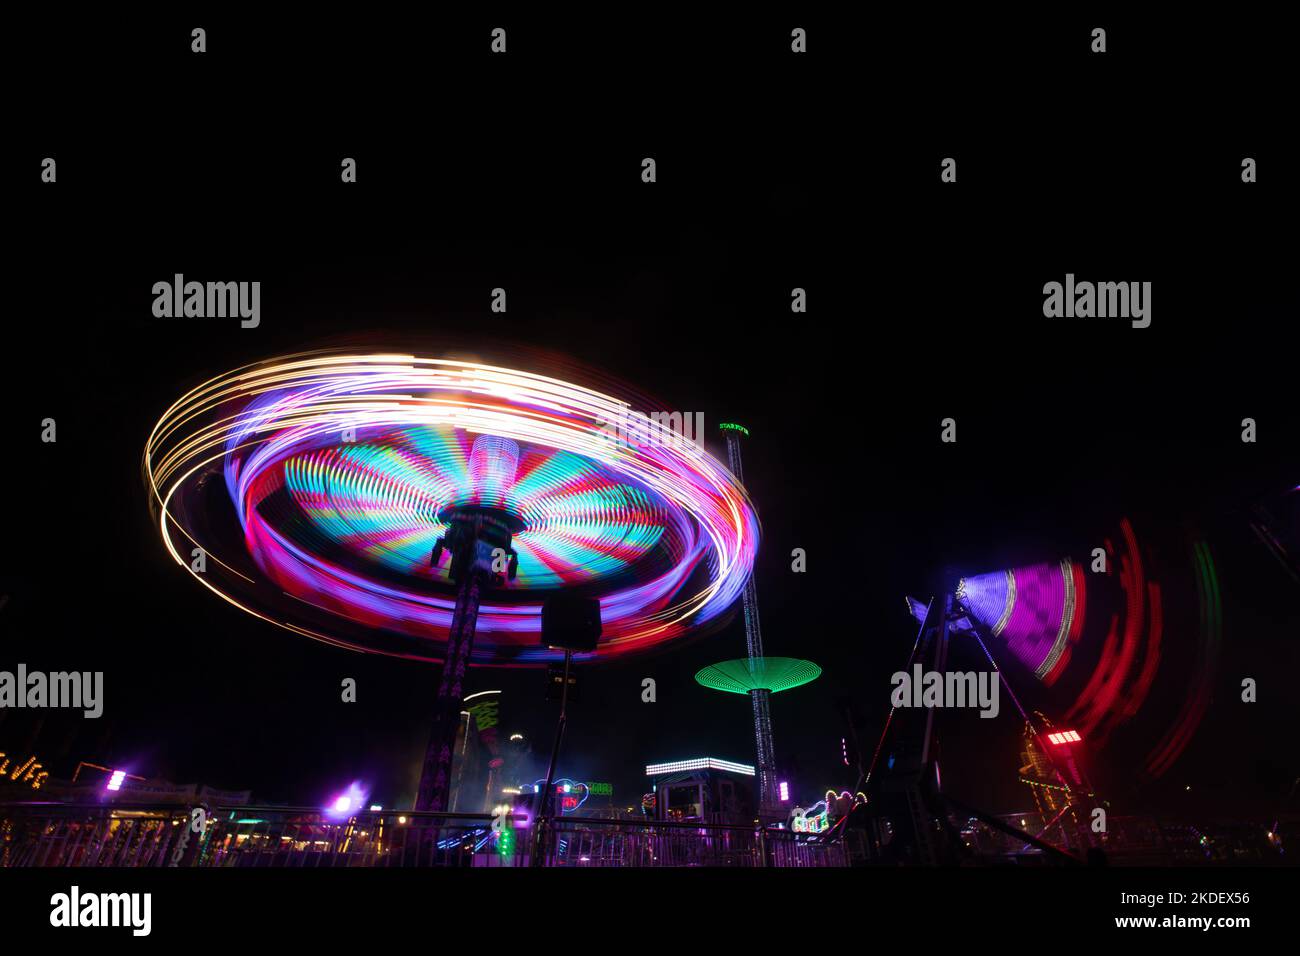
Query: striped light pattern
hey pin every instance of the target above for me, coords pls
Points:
(336, 469)
(699, 763)
(380, 500)
(1036, 611)
(765, 673)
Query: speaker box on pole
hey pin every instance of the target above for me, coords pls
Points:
(571, 622)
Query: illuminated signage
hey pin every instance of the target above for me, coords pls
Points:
(808, 821)
(485, 714)
(29, 772)
(570, 794)
(817, 818)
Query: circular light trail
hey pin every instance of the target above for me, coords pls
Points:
(310, 490)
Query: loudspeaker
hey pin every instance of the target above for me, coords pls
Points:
(570, 622)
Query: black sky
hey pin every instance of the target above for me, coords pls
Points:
(924, 302)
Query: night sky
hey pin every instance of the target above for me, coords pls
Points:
(922, 304)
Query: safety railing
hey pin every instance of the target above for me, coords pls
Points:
(37, 834)
(592, 842)
(150, 836)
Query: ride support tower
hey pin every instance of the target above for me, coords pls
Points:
(769, 799)
(479, 542)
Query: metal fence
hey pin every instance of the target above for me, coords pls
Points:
(571, 841)
(50, 835)
(153, 836)
(254, 837)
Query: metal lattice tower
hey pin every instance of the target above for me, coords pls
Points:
(765, 753)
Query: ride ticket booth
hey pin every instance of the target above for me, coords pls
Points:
(703, 790)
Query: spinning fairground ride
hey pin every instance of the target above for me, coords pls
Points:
(428, 508)
(1092, 638)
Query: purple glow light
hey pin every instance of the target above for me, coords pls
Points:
(785, 792)
(115, 781)
(349, 801)
(1030, 609)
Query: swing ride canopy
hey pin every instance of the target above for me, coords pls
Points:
(310, 491)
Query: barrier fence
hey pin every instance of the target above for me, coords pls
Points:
(37, 834)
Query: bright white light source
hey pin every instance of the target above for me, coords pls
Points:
(700, 763)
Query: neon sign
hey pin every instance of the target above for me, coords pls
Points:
(817, 818)
(485, 714)
(28, 772)
(806, 821)
(570, 794)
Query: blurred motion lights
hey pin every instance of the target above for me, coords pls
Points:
(1033, 610)
(315, 487)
